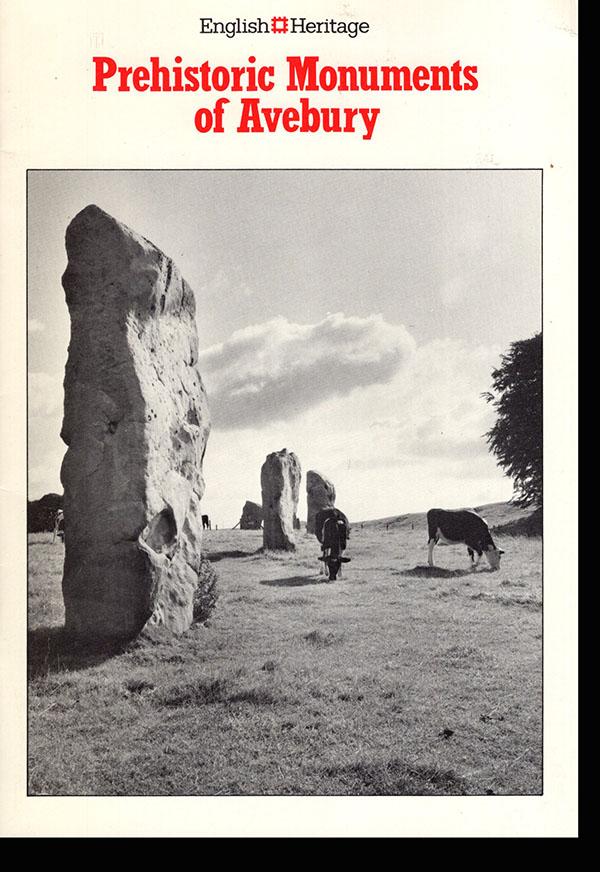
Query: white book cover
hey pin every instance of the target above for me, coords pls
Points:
(336, 229)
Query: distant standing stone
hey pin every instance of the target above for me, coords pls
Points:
(320, 494)
(280, 483)
(136, 423)
(252, 516)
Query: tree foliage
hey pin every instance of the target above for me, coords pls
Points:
(517, 436)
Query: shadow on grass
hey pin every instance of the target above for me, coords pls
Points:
(207, 692)
(322, 640)
(294, 581)
(215, 556)
(51, 649)
(199, 692)
(396, 778)
(437, 572)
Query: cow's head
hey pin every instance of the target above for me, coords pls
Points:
(493, 555)
(333, 566)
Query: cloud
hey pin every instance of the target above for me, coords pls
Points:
(278, 369)
(45, 395)
(35, 326)
(410, 443)
(429, 416)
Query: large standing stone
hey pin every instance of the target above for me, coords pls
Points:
(252, 516)
(320, 494)
(280, 484)
(136, 422)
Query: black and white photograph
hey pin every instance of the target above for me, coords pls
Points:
(285, 482)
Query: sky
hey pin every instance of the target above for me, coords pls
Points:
(353, 317)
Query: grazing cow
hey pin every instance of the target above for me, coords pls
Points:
(465, 526)
(205, 522)
(332, 529)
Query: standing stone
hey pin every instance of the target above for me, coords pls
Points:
(320, 494)
(136, 423)
(280, 484)
(252, 516)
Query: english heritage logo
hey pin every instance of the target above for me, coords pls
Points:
(281, 24)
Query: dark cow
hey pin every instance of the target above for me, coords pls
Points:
(332, 529)
(205, 522)
(462, 526)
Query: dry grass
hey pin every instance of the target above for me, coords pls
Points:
(395, 679)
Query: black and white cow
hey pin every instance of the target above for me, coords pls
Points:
(462, 526)
(332, 529)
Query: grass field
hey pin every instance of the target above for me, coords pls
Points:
(396, 679)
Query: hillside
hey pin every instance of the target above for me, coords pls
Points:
(497, 515)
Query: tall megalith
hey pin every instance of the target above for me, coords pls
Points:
(136, 423)
(320, 494)
(280, 484)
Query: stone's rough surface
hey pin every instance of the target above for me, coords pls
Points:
(280, 483)
(136, 423)
(320, 494)
(205, 595)
(252, 516)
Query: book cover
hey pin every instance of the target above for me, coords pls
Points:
(288, 476)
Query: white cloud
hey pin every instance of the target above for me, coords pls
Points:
(431, 408)
(402, 446)
(277, 370)
(35, 326)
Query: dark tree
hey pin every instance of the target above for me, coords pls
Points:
(41, 513)
(516, 437)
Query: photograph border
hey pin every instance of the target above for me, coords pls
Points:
(197, 170)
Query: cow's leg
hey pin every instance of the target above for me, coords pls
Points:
(471, 554)
(476, 563)
(432, 543)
